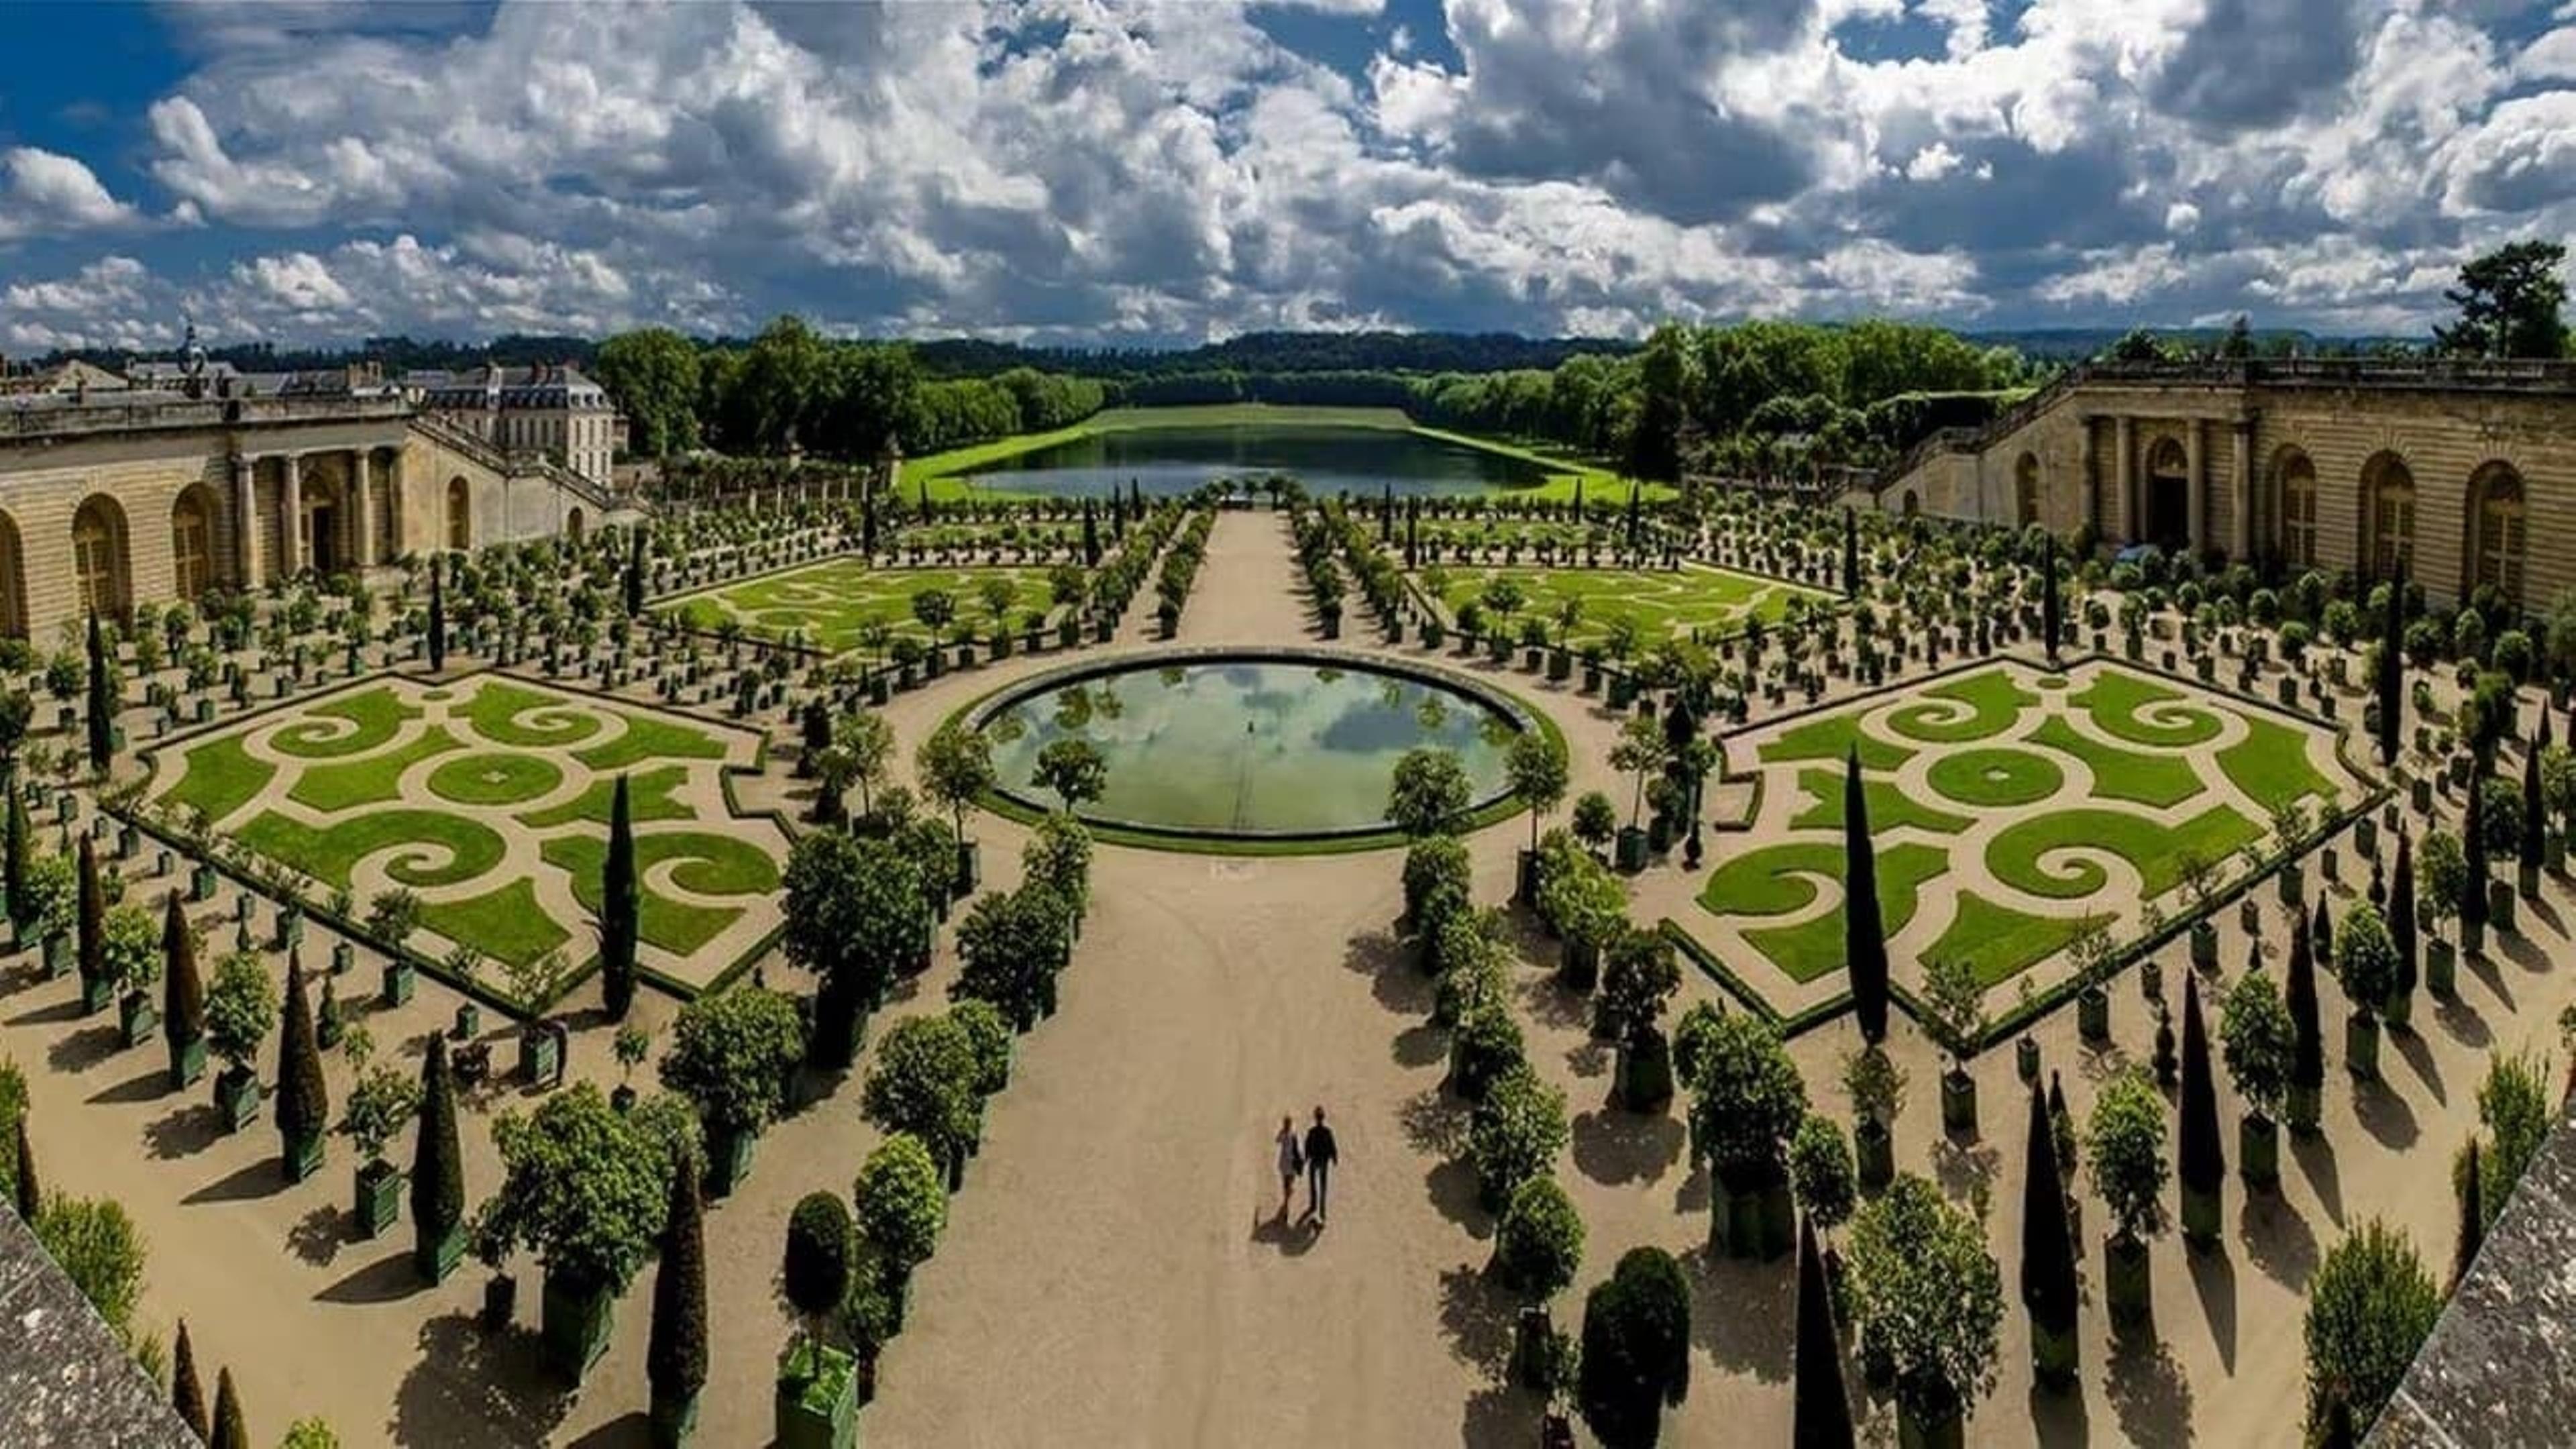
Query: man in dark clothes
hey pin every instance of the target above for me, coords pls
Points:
(1321, 1153)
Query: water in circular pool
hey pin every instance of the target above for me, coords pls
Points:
(1251, 747)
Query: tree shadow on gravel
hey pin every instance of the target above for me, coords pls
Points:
(264, 1178)
(1477, 1316)
(2278, 1241)
(2483, 967)
(2316, 1160)
(1741, 1311)
(1966, 1171)
(2385, 1116)
(2148, 1391)
(2213, 1278)
(1434, 1123)
(2059, 1418)
(85, 1048)
(474, 1387)
(151, 1086)
(1612, 1147)
(317, 1236)
(1393, 979)
(2419, 1055)
(182, 1133)
(2466, 1024)
(382, 1281)
(627, 1431)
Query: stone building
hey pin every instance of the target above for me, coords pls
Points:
(234, 481)
(550, 409)
(2448, 467)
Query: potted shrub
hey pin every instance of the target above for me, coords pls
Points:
(303, 1101)
(50, 909)
(1538, 772)
(2365, 960)
(817, 1401)
(1640, 752)
(239, 1015)
(1748, 1101)
(382, 1100)
(1954, 1007)
(2125, 1148)
(1635, 1357)
(2442, 882)
(2093, 954)
(2254, 1032)
(534, 982)
(130, 954)
(1876, 1086)
(392, 917)
(1514, 1132)
(185, 993)
(586, 1190)
(2370, 1307)
(1640, 978)
(902, 1210)
(1927, 1299)
(731, 1054)
(631, 1045)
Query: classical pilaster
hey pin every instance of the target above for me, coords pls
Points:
(2195, 482)
(2244, 489)
(362, 550)
(291, 524)
(2091, 473)
(246, 520)
(2125, 468)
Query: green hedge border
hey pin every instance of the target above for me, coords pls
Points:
(356, 931)
(1180, 842)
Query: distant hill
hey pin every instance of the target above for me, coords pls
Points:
(1277, 352)
(2073, 344)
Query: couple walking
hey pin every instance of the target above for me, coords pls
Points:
(1314, 1157)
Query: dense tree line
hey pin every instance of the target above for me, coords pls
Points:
(1259, 353)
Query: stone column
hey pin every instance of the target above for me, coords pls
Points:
(2195, 455)
(363, 520)
(2125, 467)
(2244, 489)
(2092, 474)
(246, 520)
(291, 559)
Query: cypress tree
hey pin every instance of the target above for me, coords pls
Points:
(303, 1101)
(2047, 1245)
(1386, 516)
(437, 1165)
(92, 922)
(635, 574)
(187, 1396)
(2338, 1432)
(437, 616)
(2535, 812)
(230, 1431)
(1635, 491)
(102, 702)
(2061, 1128)
(1578, 498)
(2401, 930)
(183, 1003)
(1864, 937)
(675, 1361)
(15, 836)
(2201, 1160)
(1413, 525)
(868, 524)
(1851, 553)
(619, 908)
(2473, 843)
(2392, 668)
(2307, 1042)
(2049, 607)
(1090, 536)
(2473, 1218)
(1823, 1405)
(31, 1190)
(2321, 933)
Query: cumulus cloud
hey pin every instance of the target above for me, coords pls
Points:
(1166, 169)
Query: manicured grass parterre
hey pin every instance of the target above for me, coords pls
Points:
(1660, 603)
(504, 836)
(831, 605)
(1996, 848)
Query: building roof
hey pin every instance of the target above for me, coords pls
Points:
(64, 1379)
(2499, 1371)
(545, 385)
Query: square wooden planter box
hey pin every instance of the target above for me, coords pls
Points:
(818, 1401)
(237, 1097)
(379, 1198)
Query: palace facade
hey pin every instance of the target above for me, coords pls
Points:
(2450, 468)
(234, 481)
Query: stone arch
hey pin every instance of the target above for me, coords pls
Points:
(193, 558)
(100, 566)
(2026, 490)
(2387, 541)
(1913, 504)
(327, 499)
(2498, 531)
(2168, 511)
(385, 504)
(13, 580)
(572, 524)
(460, 515)
(2293, 507)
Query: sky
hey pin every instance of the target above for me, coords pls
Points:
(1105, 172)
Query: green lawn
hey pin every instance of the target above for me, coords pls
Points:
(1831, 737)
(220, 778)
(497, 708)
(448, 848)
(1778, 880)
(1993, 702)
(505, 924)
(1992, 778)
(2147, 779)
(375, 714)
(716, 865)
(375, 780)
(1999, 942)
(831, 605)
(2271, 764)
(1659, 603)
(2117, 697)
(490, 777)
(2154, 849)
(1890, 808)
(649, 796)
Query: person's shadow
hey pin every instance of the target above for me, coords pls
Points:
(1293, 1237)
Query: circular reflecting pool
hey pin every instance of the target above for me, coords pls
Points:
(1247, 745)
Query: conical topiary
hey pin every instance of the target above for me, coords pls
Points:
(303, 1101)
(675, 1361)
(1823, 1406)
(92, 922)
(437, 1165)
(620, 908)
(187, 1396)
(2047, 1251)
(2201, 1162)
(2307, 1039)
(31, 1192)
(230, 1431)
(1864, 934)
(183, 990)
